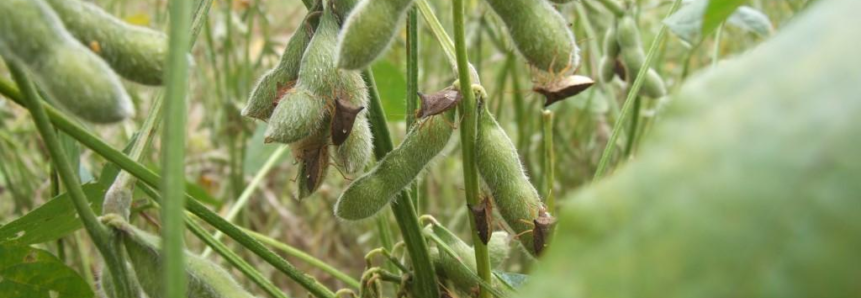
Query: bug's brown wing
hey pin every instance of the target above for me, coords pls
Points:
(343, 120)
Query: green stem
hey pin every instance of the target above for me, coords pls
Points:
(549, 161)
(632, 93)
(412, 84)
(632, 130)
(716, 50)
(425, 282)
(613, 7)
(301, 255)
(173, 149)
(249, 190)
(99, 233)
(468, 129)
(152, 179)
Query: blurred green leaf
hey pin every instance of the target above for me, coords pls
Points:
(512, 280)
(393, 87)
(258, 151)
(747, 187)
(52, 220)
(687, 22)
(27, 272)
(717, 12)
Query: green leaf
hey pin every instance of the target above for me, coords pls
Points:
(392, 87)
(52, 220)
(512, 280)
(259, 152)
(747, 187)
(717, 12)
(687, 22)
(27, 272)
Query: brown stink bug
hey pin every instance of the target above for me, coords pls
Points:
(438, 102)
(343, 120)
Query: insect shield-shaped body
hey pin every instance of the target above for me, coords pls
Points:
(540, 33)
(136, 53)
(33, 35)
(369, 30)
(483, 216)
(281, 79)
(343, 120)
(205, 279)
(438, 102)
(563, 88)
(541, 230)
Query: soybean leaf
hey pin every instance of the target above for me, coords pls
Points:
(717, 12)
(687, 22)
(52, 220)
(393, 87)
(512, 280)
(27, 272)
(745, 188)
(752, 20)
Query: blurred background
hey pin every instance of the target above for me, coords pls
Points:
(244, 38)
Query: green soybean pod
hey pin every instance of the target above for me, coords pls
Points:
(499, 165)
(278, 81)
(461, 268)
(205, 279)
(368, 194)
(633, 57)
(540, 33)
(299, 114)
(136, 53)
(369, 30)
(81, 82)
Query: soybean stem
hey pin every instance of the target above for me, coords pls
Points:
(549, 161)
(632, 93)
(248, 191)
(173, 149)
(412, 83)
(99, 233)
(468, 129)
(425, 276)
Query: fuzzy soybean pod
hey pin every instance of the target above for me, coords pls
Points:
(78, 80)
(461, 268)
(628, 37)
(540, 34)
(136, 53)
(205, 279)
(499, 165)
(276, 82)
(611, 53)
(356, 151)
(369, 30)
(560, 1)
(368, 194)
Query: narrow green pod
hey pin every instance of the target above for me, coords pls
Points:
(276, 82)
(653, 86)
(136, 53)
(369, 30)
(540, 33)
(608, 68)
(465, 279)
(78, 80)
(499, 165)
(611, 43)
(368, 194)
(205, 279)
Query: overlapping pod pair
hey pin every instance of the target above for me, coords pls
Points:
(460, 269)
(205, 279)
(623, 44)
(323, 106)
(32, 35)
(41, 38)
(513, 195)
